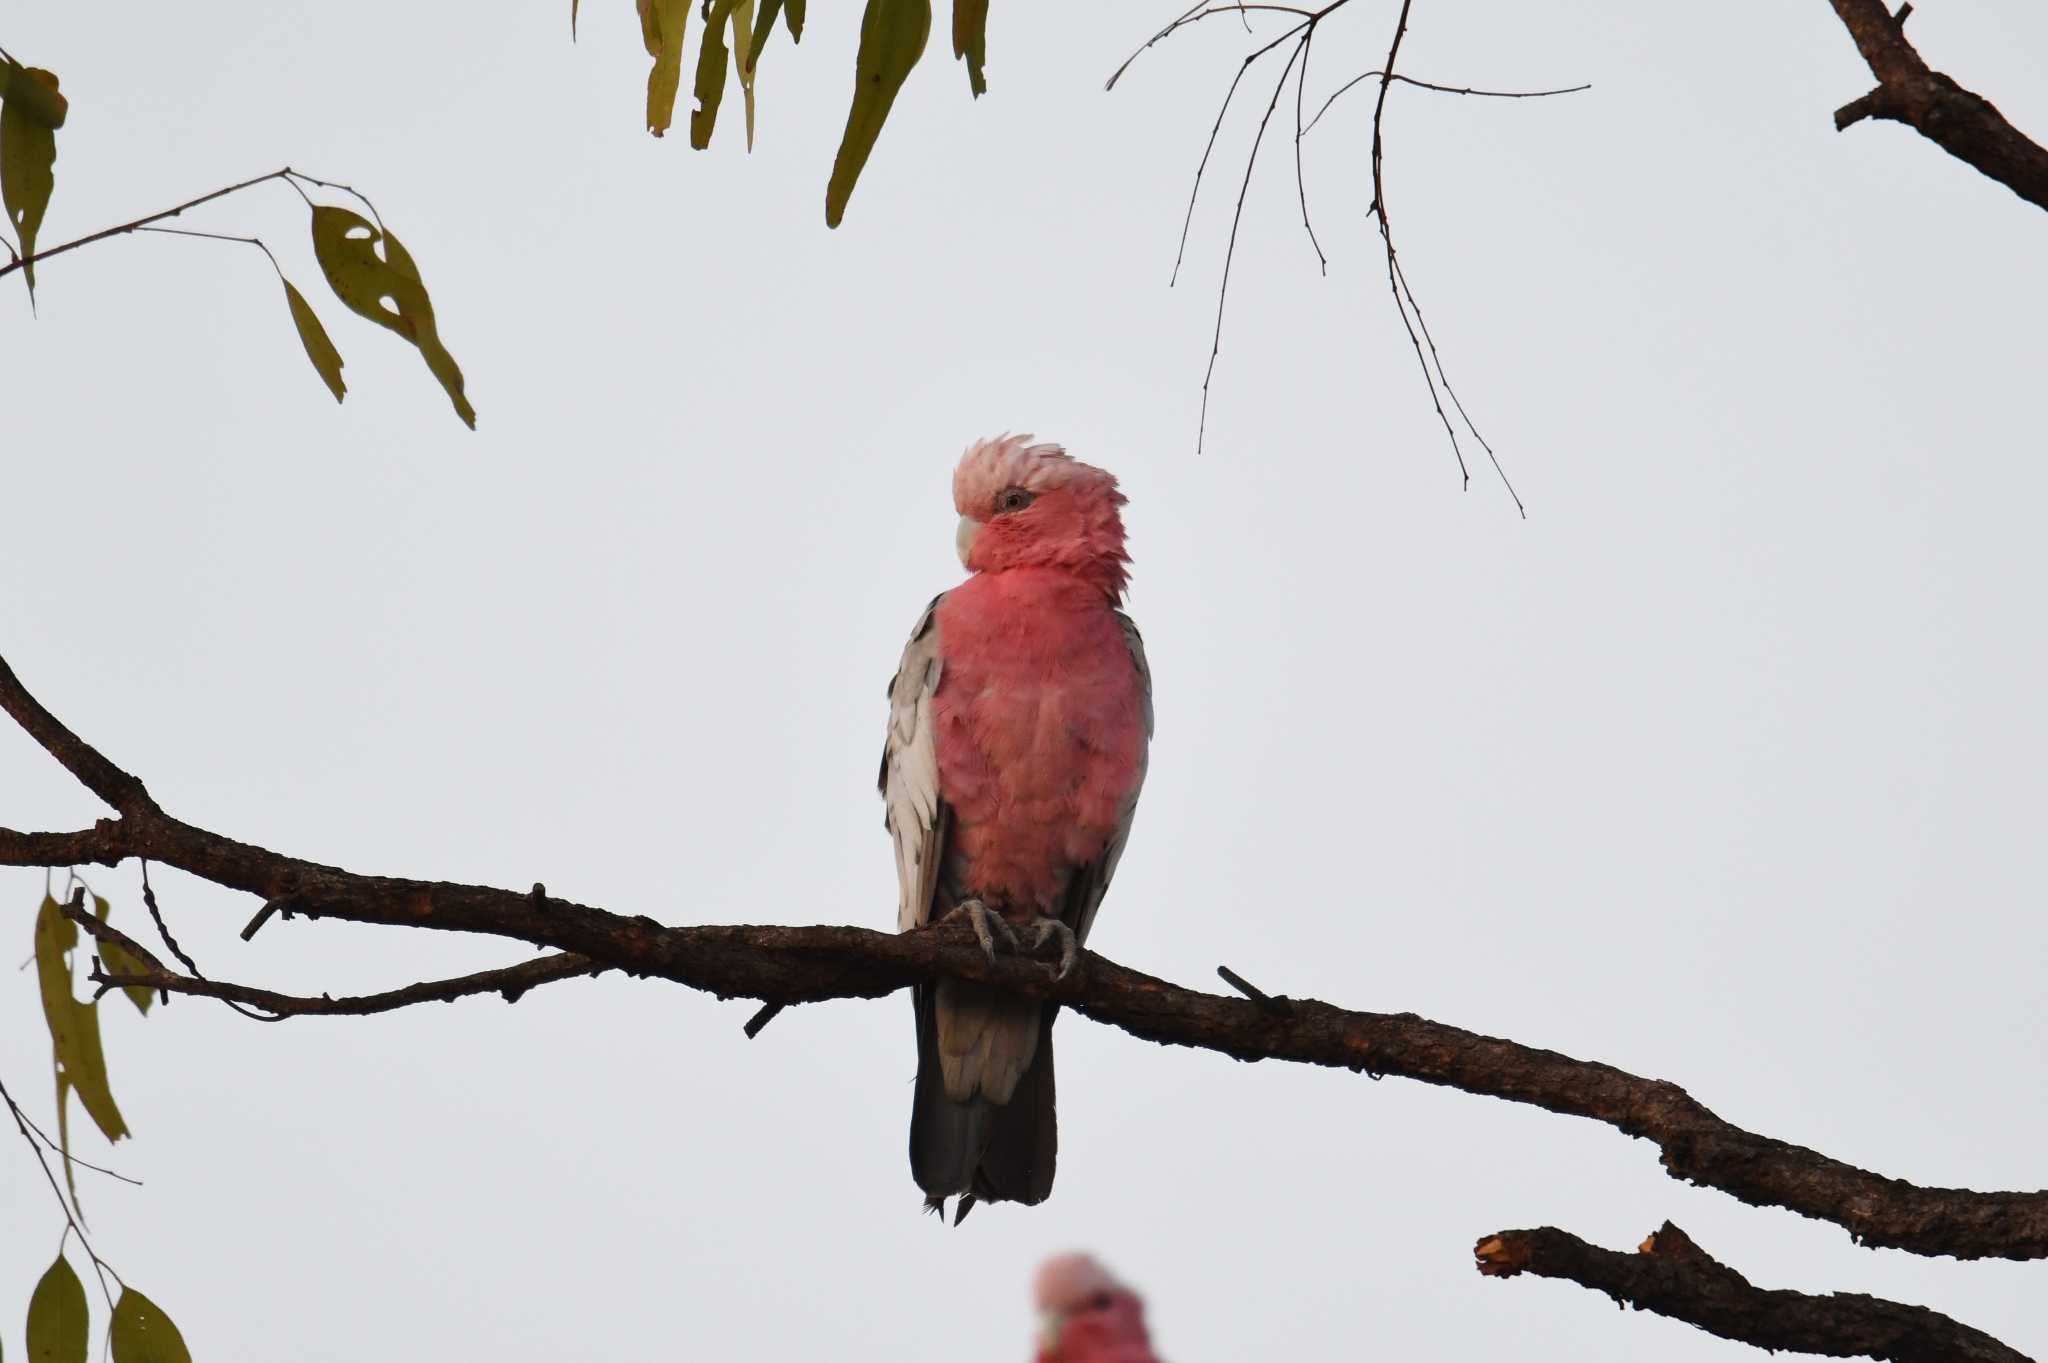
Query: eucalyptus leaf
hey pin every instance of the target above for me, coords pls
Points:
(142, 1333)
(28, 158)
(386, 289)
(970, 40)
(892, 38)
(326, 362)
(59, 1320)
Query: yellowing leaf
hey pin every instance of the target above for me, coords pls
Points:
(665, 42)
(711, 61)
(574, 5)
(142, 1333)
(34, 92)
(58, 1318)
(892, 37)
(970, 40)
(120, 961)
(28, 154)
(74, 1036)
(327, 362)
(742, 43)
(386, 289)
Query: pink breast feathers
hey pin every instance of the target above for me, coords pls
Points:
(1039, 722)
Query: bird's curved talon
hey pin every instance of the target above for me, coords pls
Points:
(1045, 928)
(989, 927)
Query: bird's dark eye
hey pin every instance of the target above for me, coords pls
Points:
(1099, 1302)
(1012, 499)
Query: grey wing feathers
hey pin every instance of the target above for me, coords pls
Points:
(915, 815)
(1091, 882)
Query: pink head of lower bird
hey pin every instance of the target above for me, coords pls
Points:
(1087, 1316)
(1033, 506)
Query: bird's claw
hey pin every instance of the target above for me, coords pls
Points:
(989, 927)
(1045, 928)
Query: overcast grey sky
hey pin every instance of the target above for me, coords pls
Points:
(1725, 766)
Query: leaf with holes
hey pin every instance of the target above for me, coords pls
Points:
(326, 362)
(386, 289)
(662, 24)
(142, 1333)
(119, 960)
(59, 1321)
(892, 37)
(970, 40)
(28, 158)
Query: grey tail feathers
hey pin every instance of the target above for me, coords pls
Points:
(978, 1150)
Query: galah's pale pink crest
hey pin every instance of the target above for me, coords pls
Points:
(1018, 723)
(1087, 1316)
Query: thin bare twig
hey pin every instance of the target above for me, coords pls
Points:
(1399, 79)
(510, 982)
(138, 224)
(1230, 251)
(1195, 13)
(100, 1266)
(1300, 183)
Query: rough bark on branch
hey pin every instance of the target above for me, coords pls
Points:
(1672, 1276)
(791, 965)
(1964, 124)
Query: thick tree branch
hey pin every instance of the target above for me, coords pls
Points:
(1674, 1277)
(791, 965)
(1964, 124)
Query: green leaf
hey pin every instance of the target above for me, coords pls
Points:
(793, 15)
(35, 93)
(892, 37)
(58, 1319)
(74, 1027)
(28, 155)
(662, 23)
(327, 362)
(763, 26)
(970, 40)
(119, 960)
(142, 1333)
(386, 289)
(711, 62)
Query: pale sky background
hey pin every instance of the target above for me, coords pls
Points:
(1725, 766)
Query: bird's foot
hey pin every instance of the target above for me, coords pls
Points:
(989, 927)
(1045, 928)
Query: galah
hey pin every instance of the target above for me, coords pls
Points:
(1087, 1316)
(1018, 725)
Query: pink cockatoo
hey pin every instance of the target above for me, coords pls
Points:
(1087, 1316)
(1018, 724)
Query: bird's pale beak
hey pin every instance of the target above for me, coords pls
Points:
(1050, 1323)
(963, 538)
